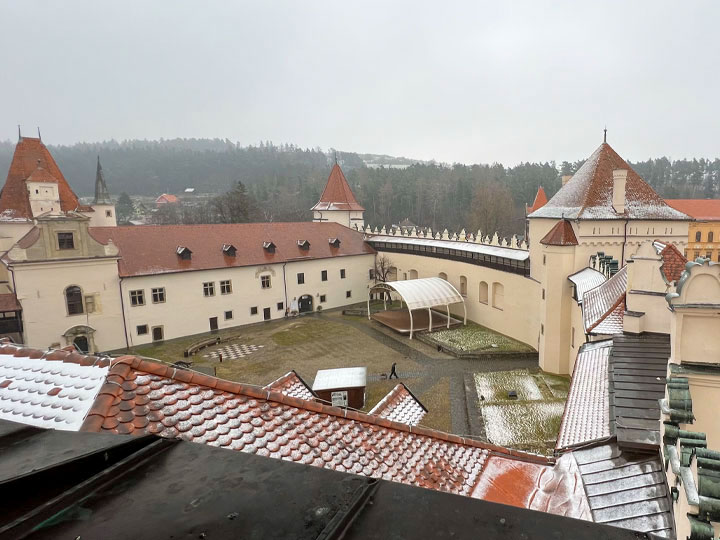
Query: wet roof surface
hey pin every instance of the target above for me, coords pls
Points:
(291, 384)
(400, 405)
(637, 371)
(603, 301)
(585, 280)
(170, 489)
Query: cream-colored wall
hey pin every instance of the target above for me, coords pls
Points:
(704, 390)
(186, 311)
(41, 288)
(43, 197)
(343, 217)
(99, 217)
(519, 317)
(12, 231)
(556, 310)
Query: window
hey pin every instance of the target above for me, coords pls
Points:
(108, 213)
(545, 258)
(137, 298)
(323, 275)
(265, 282)
(74, 300)
(371, 273)
(708, 255)
(158, 333)
(483, 297)
(280, 306)
(442, 275)
(66, 240)
(698, 236)
(322, 298)
(209, 288)
(498, 295)
(348, 294)
(142, 329)
(158, 295)
(413, 274)
(542, 328)
(301, 278)
(253, 310)
(342, 273)
(543, 294)
(90, 303)
(463, 285)
(710, 236)
(226, 286)
(228, 315)
(572, 337)
(696, 255)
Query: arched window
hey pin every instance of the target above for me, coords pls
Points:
(413, 274)
(392, 273)
(74, 300)
(483, 292)
(463, 285)
(698, 236)
(498, 295)
(710, 236)
(442, 275)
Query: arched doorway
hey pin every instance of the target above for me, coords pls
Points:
(305, 303)
(82, 337)
(81, 344)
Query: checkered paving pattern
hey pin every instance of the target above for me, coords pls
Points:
(233, 352)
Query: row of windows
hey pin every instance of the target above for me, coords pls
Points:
(708, 254)
(137, 297)
(323, 276)
(710, 236)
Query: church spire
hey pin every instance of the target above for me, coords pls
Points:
(101, 192)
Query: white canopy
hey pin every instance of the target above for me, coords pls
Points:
(425, 293)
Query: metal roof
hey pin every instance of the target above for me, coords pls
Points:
(425, 292)
(495, 251)
(328, 379)
(585, 280)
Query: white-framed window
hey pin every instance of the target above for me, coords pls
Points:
(254, 310)
(137, 297)
(264, 282)
(342, 273)
(158, 295)
(209, 288)
(225, 286)
(323, 275)
(142, 329)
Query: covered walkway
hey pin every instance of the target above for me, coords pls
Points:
(420, 296)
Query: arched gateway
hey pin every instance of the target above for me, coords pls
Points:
(418, 294)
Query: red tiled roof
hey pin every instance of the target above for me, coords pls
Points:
(587, 414)
(588, 194)
(31, 154)
(337, 194)
(606, 301)
(151, 249)
(400, 405)
(9, 302)
(167, 198)
(562, 234)
(142, 397)
(673, 261)
(540, 201)
(291, 384)
(700, 209)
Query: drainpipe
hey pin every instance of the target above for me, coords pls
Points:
(22, 322)
(285, 285)
(122, 307)
(622, 259)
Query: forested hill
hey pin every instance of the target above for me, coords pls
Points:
(286, 180)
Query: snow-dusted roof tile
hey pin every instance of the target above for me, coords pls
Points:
(291, 384)
(587, 415)
(603, 301)
(585, 280)
(399, 405)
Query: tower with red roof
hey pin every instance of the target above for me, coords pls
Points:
(337, 203)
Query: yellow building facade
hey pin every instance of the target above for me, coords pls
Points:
(704, 232)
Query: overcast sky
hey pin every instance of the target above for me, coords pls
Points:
(455, 81)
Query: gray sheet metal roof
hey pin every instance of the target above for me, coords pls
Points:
(495, 251)
(426, 292)
(585, 280)
(600, 302)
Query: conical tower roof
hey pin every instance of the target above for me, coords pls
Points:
(101, 191)
(589, 193)
(562, 234)
(540, 201)
(337, 194)
(32, 159)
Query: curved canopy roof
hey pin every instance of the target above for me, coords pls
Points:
(425, 292)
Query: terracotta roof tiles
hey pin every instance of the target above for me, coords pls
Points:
(337, 194)
(562, 234)
(291, 384)
(400, 405)
(674, 262)
(151, 249)
(588, 194)
(700, 209)
(32, 158)
(540, 201)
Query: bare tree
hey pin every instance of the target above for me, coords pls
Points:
(384, 268)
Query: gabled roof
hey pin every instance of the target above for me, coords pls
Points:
(167, 198)
(562, 234)
(48, 389)
(30, 155)
(150, 249)
(400, 405)
(588, 194)
(540, 201)
(585, 280)
(700, 209)
(291, 384)
(603, 302)
(337, 194)
(673, 261)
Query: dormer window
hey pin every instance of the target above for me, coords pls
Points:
(334, 242)
(269, 247)
(229, 250)
(184, 253)
(303, 244)
(65, 240)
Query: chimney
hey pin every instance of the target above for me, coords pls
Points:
(565, 178)
(618, 194)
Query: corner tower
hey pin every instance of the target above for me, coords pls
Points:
(337, 203)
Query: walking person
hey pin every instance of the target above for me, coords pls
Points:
(393, 371)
